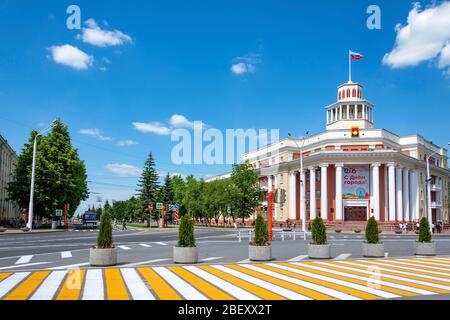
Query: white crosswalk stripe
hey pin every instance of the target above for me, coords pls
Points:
(161, 243)
(24, 259)
(124, 247)
(210, 259)
(66, 254)
(135, 285)
(182, 286)
(145, 245)
(93, 287)
(343, 256)
(48, 288)
(10, 282)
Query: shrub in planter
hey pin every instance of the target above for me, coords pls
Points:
(104, 253)
(372, 246)
(319, 248)
(260, 249)
(186, 250)
(425, 246)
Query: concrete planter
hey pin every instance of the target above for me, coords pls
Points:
(102, 257)
(260, 253)
(25, 229)
(425, 248)
(185, 255)
(2, 229)
(319, 251)
(373, 250)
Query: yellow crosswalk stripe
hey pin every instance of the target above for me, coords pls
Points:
(115, 286)
(201, 285)
(27, 287)
(71, 288)
(352, 291)
(422, 266)
(252, 288)
(400, 292)
(290, 286)
(416, 273)
(158, 285)
(404, 277)
(428, 262)
(4, 275)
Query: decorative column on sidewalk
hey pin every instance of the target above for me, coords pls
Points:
(399, 186)
(339, 167)
(376, 190)
(312, 193)
(391, 174)
(292, 195)
(324, 190)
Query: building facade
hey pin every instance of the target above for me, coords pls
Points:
(352, 170)
(8, 160)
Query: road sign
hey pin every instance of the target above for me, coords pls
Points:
(176, 206)
(159, 205)
(59, 213)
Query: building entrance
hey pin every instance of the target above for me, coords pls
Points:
(352, 213)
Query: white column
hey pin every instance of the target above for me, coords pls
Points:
(302, 194)
(292, 196)
(328, 116)
(275, 187)
(340, 112)
(323, 191)
(406, 211)
(339, 167)
(269, 183)
(376, 190)
(399, 187)
(415, 195)
(391, 178)
(312, 193)
(348, 112)
(386, 194)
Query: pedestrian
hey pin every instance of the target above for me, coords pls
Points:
(124, 224)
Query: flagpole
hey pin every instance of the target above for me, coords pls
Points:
(349, 67)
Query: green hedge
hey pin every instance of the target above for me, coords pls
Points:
(104, 238)
(319, 232)
(261, 232)
(186, 237)
(424, 230)
(372, 234)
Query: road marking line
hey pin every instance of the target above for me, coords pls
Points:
(348, 286)
(66, 254)
(124, 247)
(282, 283)
(375, 279)
(299, 280)
(69, 266)
(135, 285)
(158, 285)
(264, 284)
(204, 287)
(399, 275)
(210, 259)
(24, 259)
(146, 262)
(248, 286)
(244, 261)
(48, 288)
(10, 282)
(161, 243)
(145, 245)
(343, 256)
(222, 284)
(186, 290)
(26, 287)
(23, 265)
(115, 286)
(298, 258)
(93, 286)
(71, 288)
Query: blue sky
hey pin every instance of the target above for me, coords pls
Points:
(230, 64)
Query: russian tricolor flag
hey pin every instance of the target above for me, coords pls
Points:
(355, 56)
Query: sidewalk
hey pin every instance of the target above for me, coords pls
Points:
(35, 231)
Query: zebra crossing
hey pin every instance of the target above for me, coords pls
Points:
(306, 280)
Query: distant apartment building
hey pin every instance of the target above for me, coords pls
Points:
(8, 160)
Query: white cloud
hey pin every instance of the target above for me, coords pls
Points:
(95, 133)
(152, 127)
(245, 64)
(124, 169)
(99, 37)
(425, 37)
(71, 56)
(125, 143)
(180, 121)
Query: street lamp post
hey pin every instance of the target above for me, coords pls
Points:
(302, 183)
(33, 169)
(429, 211)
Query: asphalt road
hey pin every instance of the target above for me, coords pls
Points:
(70, 249)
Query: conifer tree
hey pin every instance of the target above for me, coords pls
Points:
(148, 187)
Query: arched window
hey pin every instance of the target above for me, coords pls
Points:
(340, 95)
(354, 93)
(348, 93)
